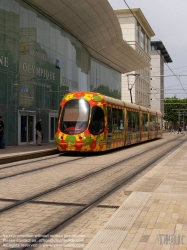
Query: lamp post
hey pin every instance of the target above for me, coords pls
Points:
(130, 86)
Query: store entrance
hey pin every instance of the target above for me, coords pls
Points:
(26, 128)
(53, 122)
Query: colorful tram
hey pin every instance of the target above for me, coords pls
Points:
(92, 122)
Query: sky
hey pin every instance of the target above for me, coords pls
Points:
(168, 20)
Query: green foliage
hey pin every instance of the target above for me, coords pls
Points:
(106, 91)
(174, 108)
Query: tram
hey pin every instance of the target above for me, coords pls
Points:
(92, 122)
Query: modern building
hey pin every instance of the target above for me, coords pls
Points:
(137, 33)
(49, 48)
(159, 56)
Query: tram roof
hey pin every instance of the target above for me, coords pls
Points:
(143, 109)
(159, 113)
(96, 25)
(151, 111)
(132, 106)
(113, 101)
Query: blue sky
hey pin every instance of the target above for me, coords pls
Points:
(168, 19)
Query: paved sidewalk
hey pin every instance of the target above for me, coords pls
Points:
(154, 216)
(16, 153)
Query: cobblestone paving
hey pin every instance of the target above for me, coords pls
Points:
(161, 224)
(163, 214)
(22, 186)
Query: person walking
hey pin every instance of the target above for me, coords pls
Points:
(180, 129)
(2, 140)
(172, 129)
(39, 132)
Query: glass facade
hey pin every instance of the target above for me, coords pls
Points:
(105, 80)
(39, 63)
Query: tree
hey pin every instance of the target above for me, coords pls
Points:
(175, 109)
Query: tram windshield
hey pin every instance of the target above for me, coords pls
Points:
(75, 115)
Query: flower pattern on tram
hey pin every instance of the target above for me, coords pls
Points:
(93, 145)
(97, 148)
(98, 140)
(88, 97)
(57, 139)
(86, 148)
(99, 104)
(70, 139)
(71, 148)
(87, 140)
(69, 96)
(97, 98)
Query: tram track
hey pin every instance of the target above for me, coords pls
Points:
(22, 172)
(82, 207)
(100, 198)
(13, 165)
(39, 169)
(73, 180)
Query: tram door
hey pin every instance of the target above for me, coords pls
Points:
(110, 122)
(26, 129)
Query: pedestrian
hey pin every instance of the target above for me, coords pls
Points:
(172, 130)
(179, 130)
(186, 129)
(2, 140)
(39, 132)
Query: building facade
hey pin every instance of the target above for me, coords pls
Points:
(159, 56)
(137, 33)
(51, 48)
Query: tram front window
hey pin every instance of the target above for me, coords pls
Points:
(75, 115)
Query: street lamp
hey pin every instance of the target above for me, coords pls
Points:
(132, 85)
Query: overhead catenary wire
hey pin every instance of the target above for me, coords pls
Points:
(56, 22)
(176, 68)
(158, 51)
(173, 73)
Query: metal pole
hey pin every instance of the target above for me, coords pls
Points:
(131, 95)
(183, 121)
(130, 87)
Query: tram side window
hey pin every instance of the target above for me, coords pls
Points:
(130, 120)
(97, 121)
(121, 119)
(137, 121)
(159, 123)
(152, 123)
(117, 120)
(133, 121)
(144, 122)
